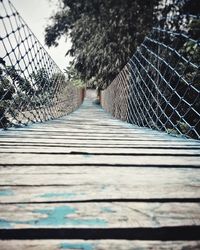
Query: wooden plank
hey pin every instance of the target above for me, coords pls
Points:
(99, 192)
(72, 139)
(94, 133)
(102, 150)
(96, 140)
(99, 215)
(144, 145)
(130, 182)
(88, 137)
(97, 245)
(99, 129)
(66, 129)
(17, 158)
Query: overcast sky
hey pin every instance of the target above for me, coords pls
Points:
(36, 14)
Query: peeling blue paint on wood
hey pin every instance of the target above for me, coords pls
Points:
(6, 192)
(81, 246)
(4, 224)
(63, 195)
(57, 216)
(104, 187)
(87, 155)
(107, 210)
(21, 205)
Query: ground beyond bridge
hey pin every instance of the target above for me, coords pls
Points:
(86, 180)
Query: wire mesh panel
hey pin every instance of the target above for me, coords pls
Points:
(160, 85)
(32, 87)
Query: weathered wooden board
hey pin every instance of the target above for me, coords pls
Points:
(80, 183)
(90, 138)
(109, 175)
(82, 144)
(100, 215)
(97, 245)
(65, 129)
(17, 158)
(96, 192)
(85, 134)
(100, 151)
(93, 145)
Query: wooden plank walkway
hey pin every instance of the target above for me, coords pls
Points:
(87, 181)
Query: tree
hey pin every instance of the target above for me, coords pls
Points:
(6, 93)
(41, 80)
(104, 34)
(16, 92)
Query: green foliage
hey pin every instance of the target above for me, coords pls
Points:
(41, 80)
(103, 33)
(17, 80)
(183, 127)
(194, 29)
(6, 93)
(15, 92)
(74, 78)
(191, 49)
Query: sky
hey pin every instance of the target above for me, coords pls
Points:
(36, 14)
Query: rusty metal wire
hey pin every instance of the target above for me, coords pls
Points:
(159, 87)
(32, 87)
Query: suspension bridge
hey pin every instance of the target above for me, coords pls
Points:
(78, 175)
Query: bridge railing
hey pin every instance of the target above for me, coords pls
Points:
(159, 87)
(32, 87)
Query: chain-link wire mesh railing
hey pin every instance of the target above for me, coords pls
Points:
(160, 86)
(32, 87)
